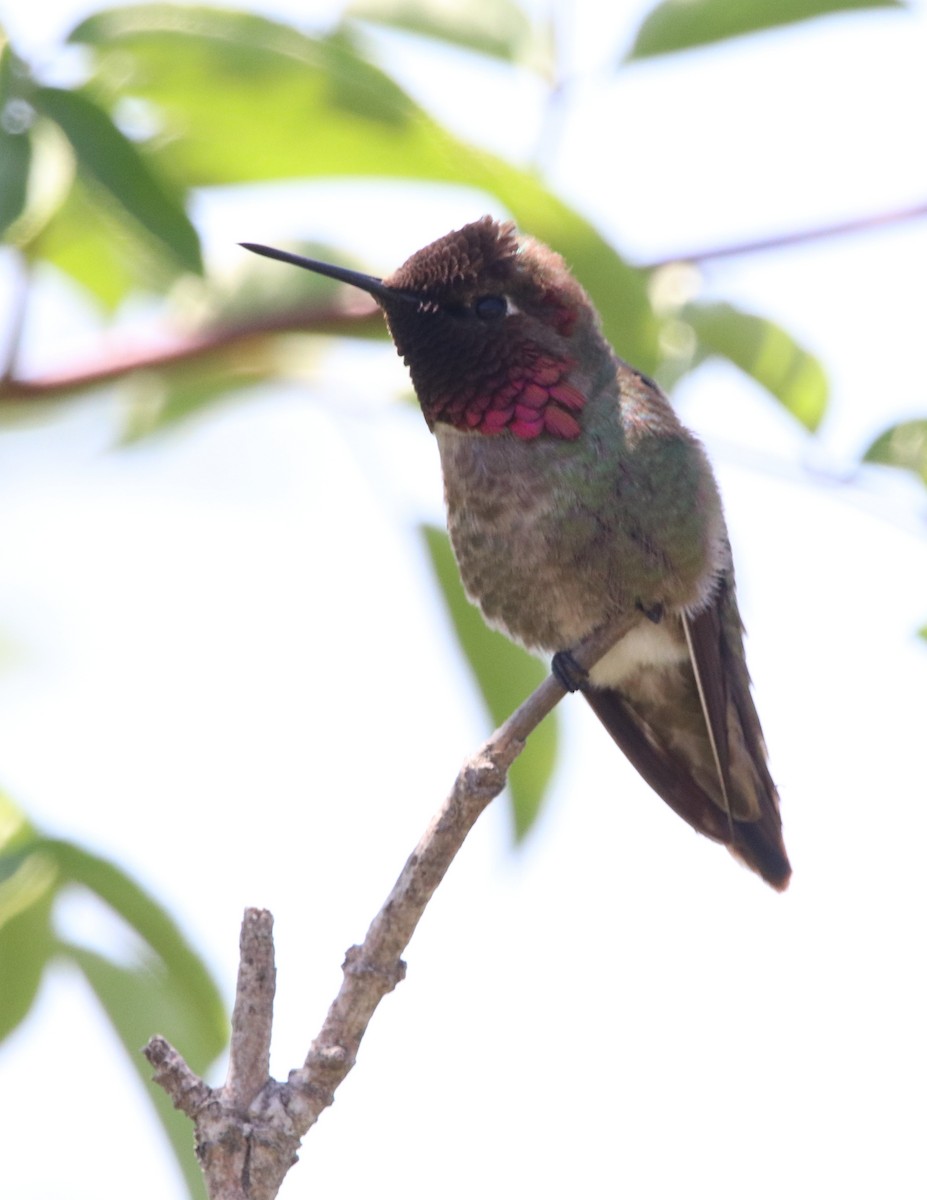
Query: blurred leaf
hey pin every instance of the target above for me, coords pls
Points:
(15, 158)
(498, 28)
(158, 401)
(681, 24)
(27, 892)
(766, 353)
(32, 871)
(903, 445)
(170, 992)
(26, 944)
(259, 285)
(16, 832)
(213, 77)
(15, 143)
(188, 978)
(50, 178)
(506, 675)
(139, 1002)
(106, 155)
(82, 242)
(12, 75)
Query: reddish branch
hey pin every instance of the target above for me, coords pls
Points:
(114, 364)
(119, 362)
(796, 238)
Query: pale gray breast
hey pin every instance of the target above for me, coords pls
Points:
(532, 550)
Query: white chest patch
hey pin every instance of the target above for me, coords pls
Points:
(647, 645)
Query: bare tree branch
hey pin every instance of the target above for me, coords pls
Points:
(185, 1088)
(253, 1017)
(248, 1132)
(241, 1158)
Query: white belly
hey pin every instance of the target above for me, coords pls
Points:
(647, 645)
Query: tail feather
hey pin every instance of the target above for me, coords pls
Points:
(693, 733)
(758, 843)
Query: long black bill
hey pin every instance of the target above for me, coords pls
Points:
(367, 283)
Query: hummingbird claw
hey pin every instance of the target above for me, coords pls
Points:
(567, 671)
(653, 613)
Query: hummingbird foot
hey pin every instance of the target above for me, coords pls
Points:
(654, 613)
(567, 671)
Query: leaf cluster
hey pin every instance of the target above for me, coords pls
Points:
(161, 984)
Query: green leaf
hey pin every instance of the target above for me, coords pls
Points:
(498, 28)
(106, 156)
(903, 445)
(27, 892)
(681, 24)
(16, 832)
(12, 72)
(6, 67)
(26, 945)
(506, 675)
(159, 401)
(766, 353)
(15, 142)
(293, 302)
(140, 1001)
(214, 77)
(258, 285)
(189, 978)
(170, 991)
(85, 242)
(15, 159)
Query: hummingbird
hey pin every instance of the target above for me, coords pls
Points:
(576, 497)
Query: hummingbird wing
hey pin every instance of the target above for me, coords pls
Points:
(692, 732)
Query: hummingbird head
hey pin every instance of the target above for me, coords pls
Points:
(492, 327)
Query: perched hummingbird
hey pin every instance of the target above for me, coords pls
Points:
(576, 497)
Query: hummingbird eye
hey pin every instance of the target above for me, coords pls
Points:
(490, 308)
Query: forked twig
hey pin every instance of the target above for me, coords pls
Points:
(248, 1131)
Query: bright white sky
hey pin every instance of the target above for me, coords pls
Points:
(230, 673)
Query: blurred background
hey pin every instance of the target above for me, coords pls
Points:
(234, 672)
